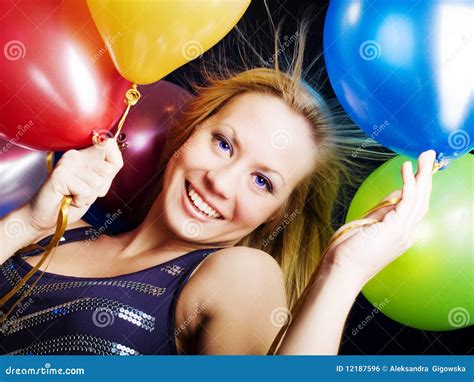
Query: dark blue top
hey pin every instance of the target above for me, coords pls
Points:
(127, 315)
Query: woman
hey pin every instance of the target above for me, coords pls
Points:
(241, 217)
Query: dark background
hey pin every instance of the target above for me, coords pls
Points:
(381, 335)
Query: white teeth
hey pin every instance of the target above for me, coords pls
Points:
(201, 204)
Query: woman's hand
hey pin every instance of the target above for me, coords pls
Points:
(85, 174)
(363, 252)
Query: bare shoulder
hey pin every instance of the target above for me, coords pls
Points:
(241, 267)
(237, 287)
(241, 262)
(237, 268)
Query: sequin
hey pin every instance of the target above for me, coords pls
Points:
(133, 285)
(89, 303)
(173, 270)
(11, 274)
(78, 343)
(13, 277)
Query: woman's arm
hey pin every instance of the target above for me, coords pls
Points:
(353, 260)
(85, 174)
(16, 232)
(318, 327)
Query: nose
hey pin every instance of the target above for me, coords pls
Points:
(224, 181)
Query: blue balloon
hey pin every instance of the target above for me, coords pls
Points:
(403, 71)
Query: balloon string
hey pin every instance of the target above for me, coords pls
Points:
(61, 225)
(132, 96)
(301, 300)
(49, 161)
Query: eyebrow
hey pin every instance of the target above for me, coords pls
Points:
(237, 142)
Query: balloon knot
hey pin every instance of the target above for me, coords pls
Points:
(132, 95)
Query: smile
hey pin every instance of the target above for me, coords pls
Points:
(198, 201)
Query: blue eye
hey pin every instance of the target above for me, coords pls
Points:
(222, 143)
(262, 181)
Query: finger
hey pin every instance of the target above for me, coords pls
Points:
(423, 185)
(113, 154)
(408, 198)
(108, 172)
(91, 178)
(95, 153)
(380, 212)
(104, 169)
(71, 158)
(348, 229)
(82, 193)
(425, 165)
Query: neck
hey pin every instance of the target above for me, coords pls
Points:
(153, 235)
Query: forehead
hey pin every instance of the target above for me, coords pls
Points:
(271, 133)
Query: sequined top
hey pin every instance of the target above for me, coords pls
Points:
(129, 314)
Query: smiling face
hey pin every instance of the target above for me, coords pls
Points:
(236, 170)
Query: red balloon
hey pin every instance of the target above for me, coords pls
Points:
(145, 130)
(57, 81)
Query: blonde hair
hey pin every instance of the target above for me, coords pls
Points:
(298, 234)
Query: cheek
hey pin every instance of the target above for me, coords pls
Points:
(195, 154)
(253, 210)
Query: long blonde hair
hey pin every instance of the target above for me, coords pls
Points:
(298, 234)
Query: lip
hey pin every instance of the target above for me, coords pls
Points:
(192, 210)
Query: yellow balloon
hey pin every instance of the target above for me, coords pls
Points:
(148, 39)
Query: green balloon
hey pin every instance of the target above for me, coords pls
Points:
(431, 286)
